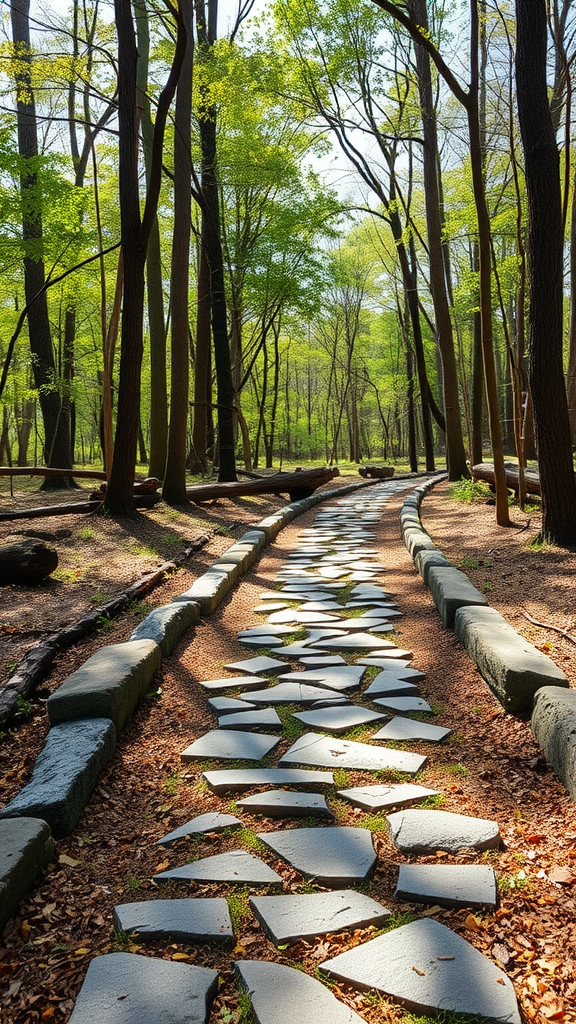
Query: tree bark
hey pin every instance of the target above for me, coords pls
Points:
(542, 171)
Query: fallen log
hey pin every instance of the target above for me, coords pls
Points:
(76, 508)
(376, 472)
(300, 484)
(27, 562)
(48, 471)
(485, 471)
(34, 666)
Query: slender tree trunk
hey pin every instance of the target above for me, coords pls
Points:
(197, 459)
(571, 375)
(174, 490)
(57, 449)
(542, 171)
(455, 452)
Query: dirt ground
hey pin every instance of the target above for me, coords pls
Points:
(489, 767)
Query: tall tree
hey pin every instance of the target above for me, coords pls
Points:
(546, 235)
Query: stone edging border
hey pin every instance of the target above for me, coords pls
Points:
(523, 678)
(93, 704)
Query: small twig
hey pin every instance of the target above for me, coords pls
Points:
(546, 625)
(525, 527)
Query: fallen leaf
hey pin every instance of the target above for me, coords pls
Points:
(418, 971)
(500, 954)
(81, 951)
(181, 956)
(163, 866)
(25, 930)
(69, 861)
(48, 1013)
(472, 923)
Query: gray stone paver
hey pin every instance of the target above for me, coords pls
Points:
(230, 745)
(429, 968)
(335, 856)
(422, 831)
(124, 988)
(221, 705)
(293, 693)
(237, 779)
(337, 719)
(448, 885)
(262, 665)
(184, 920)
(212, 821)
(410, 731)
(260, 718)
(281, 995)
(405, 704)
(232, 683)
(327, 752)
(282, 803)
(286, 919)
(377, 797)
(234, 866)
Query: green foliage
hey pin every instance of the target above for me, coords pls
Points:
(469, 491)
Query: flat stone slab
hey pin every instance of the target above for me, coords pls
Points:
(378, 797)
(228, 704)
(26, 846)
(337, 719)
(227, 780)
(333, 856)
(405, 704)
(298, 618)
(282, 995)
(212, 821)
(262, 665)
(259, 718)
(65, 774)
(380, 686)
(233, 683)
(234, 866)
(190, 920)
(287, 919)
(382, 658)
(231, 745)
(295, 650)
(396, 688)
(353, 642)
(267, 629)
(429, 968)
(261, 640)
(271, 606)
(422, 831)
(512, 667)
(110, 684)
(282, 803)
(409, 730)
(451, 589)
(124, 988)
(292, 693)
(331, 752)
(338, 677)
(448, 885)
(321, 660)
(554, 726)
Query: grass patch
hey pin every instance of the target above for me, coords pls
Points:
(250, 840)
(373, 822)
(143, 551)
(239, 908)
(86, 533)
(455, 769)
(469, 491)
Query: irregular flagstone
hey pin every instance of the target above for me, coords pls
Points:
(230, 745)
(295, 650)
(391, 658)
(282, 803)
(338, 677)
(381, 685)
(219, 704)
(234, 682)
(327, 751)
(396, 687)
(260, 718)
(281, 995)
(377, 797)
(234, 866)
(322, 660)
(333, 856)
(288, 919)
(184, 920)
(124, 988)
(429, 969)
(353, 642)
(261, 640)
(266, 629)
(448, 885)
(292, 693)
(407, 729)
(271, 606)
(421, 831)
(212, 821)
(259, 666)
(314, 635)
(357, 625)
(369, 603)
(337, 719)
(302, 618)
(328, 604)
(226, 780)
(405, 704)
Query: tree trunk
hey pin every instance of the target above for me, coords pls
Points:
(542, 171)
(174, 490)
(455, 453)
(57, 450)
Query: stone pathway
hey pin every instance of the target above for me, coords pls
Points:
(331, 615)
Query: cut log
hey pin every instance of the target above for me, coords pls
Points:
(485, 471)
(27, 562)
(48, 471)
(75, 508)
(300, 484)
(376, 472)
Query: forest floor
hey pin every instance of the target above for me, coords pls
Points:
(490, 767)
